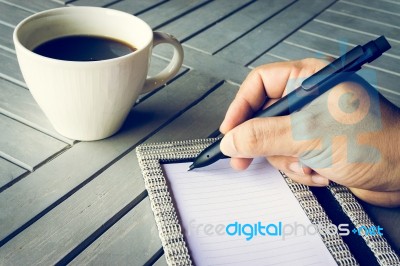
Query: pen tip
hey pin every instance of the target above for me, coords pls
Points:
(191, 167)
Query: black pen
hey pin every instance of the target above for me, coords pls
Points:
(311, 88)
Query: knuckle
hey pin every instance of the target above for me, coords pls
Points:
(254, 140)
(255, 72)
(237, 142)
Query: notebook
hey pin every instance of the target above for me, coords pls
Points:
(216, 216)
(243, 217)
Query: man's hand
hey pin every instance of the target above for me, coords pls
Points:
(350, 134)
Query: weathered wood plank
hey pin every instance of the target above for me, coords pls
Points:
(111, 191)
(364, 26)
(385, 80)
(319, 43)
(9, 68)
(48, 184)
(286, 51)
(99, 3)
(209, 65)
(199, 19)
(273, 31)
(18, 103)
(33, 5)
(10, 15)
(25, 144)
(9, 171)
(132, 7)
(385, 6)
(135, 7)
(233, 27)
(283, 51)
(157, 64)
(132, 240)
(161, 261)
(63, 2)
(346, 35)
(181, 128)
(170, 11)
(199, 117)
(266, 58)
(388, 20)
(84, 212)
(6, 40)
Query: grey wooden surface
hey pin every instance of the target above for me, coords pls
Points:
(65, 201)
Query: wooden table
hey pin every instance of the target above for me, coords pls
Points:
(65, 201)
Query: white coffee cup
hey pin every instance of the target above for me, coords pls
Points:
(89, 100)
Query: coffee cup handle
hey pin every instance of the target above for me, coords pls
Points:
(171, 69)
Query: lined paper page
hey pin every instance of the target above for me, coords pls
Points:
(222, 212)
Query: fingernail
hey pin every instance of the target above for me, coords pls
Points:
(320, 180)
(296, 168)
(227, 146)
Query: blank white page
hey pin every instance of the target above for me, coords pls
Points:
(216, 198)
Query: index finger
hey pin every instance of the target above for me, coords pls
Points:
(266, 82)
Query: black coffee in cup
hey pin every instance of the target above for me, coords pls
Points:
(83, 48)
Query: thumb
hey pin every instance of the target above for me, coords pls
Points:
(262, 137)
